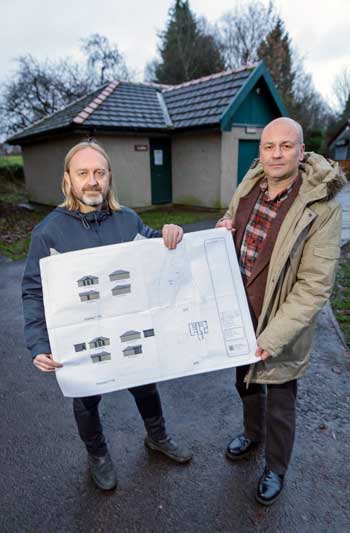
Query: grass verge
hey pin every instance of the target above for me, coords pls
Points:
(17, 223)
(340, 298)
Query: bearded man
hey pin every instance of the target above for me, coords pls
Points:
(90, 216)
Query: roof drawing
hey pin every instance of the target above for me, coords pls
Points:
(121, 105)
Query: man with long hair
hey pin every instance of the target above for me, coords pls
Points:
(91, 216)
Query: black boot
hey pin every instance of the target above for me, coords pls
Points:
(158, 440)
(102, 471)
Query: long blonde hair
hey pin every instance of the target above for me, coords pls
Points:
(70, 202)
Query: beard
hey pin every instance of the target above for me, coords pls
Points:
(92, 200)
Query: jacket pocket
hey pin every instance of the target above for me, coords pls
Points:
(327, 252)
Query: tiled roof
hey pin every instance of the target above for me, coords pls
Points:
(130, 105)
(58, 120)
(142, 106)
(203, 102)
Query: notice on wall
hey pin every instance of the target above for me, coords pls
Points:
(158, 157)
(135, 313)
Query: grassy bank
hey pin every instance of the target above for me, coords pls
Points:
(340, 298)
(16, 222)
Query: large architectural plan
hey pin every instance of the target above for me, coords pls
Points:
(135, 313)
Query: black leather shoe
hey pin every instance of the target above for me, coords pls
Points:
(269, 488)
(102, 471)
(240, 447)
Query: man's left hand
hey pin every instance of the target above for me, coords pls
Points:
(262, 354)
(172, 235)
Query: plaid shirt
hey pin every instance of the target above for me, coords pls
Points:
(260, 221)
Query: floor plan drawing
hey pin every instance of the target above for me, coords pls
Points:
(185, 313)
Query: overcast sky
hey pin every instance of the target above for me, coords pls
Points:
(320, 30)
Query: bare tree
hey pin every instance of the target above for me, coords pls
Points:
(104, 58)
(242, 31)
(38, 89)
(341, 88)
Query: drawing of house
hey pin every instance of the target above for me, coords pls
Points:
(148, 332)
(130, 336)
(80, 347)
(121, 289)
(87, 280)
(119, 274)
(99, 341)
(132, 350)
(99, 357)
(89, 295)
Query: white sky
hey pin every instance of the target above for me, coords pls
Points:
(320, 30)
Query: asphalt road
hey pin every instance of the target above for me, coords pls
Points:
(44, 482)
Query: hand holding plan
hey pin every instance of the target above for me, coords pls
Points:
(45, 362)
(172, 235)
(115, 321)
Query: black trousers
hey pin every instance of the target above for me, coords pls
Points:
(88, 419)
(269, 414)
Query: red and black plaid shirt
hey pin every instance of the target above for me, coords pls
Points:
(260, 221)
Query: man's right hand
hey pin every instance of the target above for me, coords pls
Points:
(45, 362)
(225, 223)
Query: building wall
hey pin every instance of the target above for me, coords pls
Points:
(229, 160)
(196, 167)
(43, 168)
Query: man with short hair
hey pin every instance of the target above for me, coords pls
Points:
(286, 226)
(90, 216)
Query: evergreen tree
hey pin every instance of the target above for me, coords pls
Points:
(187, 48)
(275, 51)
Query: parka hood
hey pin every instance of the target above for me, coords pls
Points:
(318, 170)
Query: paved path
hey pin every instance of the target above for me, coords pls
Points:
(344, 199)
(45, 486)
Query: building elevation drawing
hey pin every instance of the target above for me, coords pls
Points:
(121, 289)
(99, 357)
(119, 274)
(89, 295)
(132, 350)
(185, 313)
(87, 280)
(99, 341)
(130, 336)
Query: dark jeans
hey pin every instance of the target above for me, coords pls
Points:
(88, 420)
(269, 413)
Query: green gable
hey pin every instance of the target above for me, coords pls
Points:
(258, 108)
(257, 102)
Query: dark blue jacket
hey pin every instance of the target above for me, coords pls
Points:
(66, 231)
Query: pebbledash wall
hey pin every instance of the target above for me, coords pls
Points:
(43, 163)
(204, 167)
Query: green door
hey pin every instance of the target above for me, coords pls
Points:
(247, 151)
(160, 153)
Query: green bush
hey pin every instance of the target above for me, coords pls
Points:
(11, 168)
